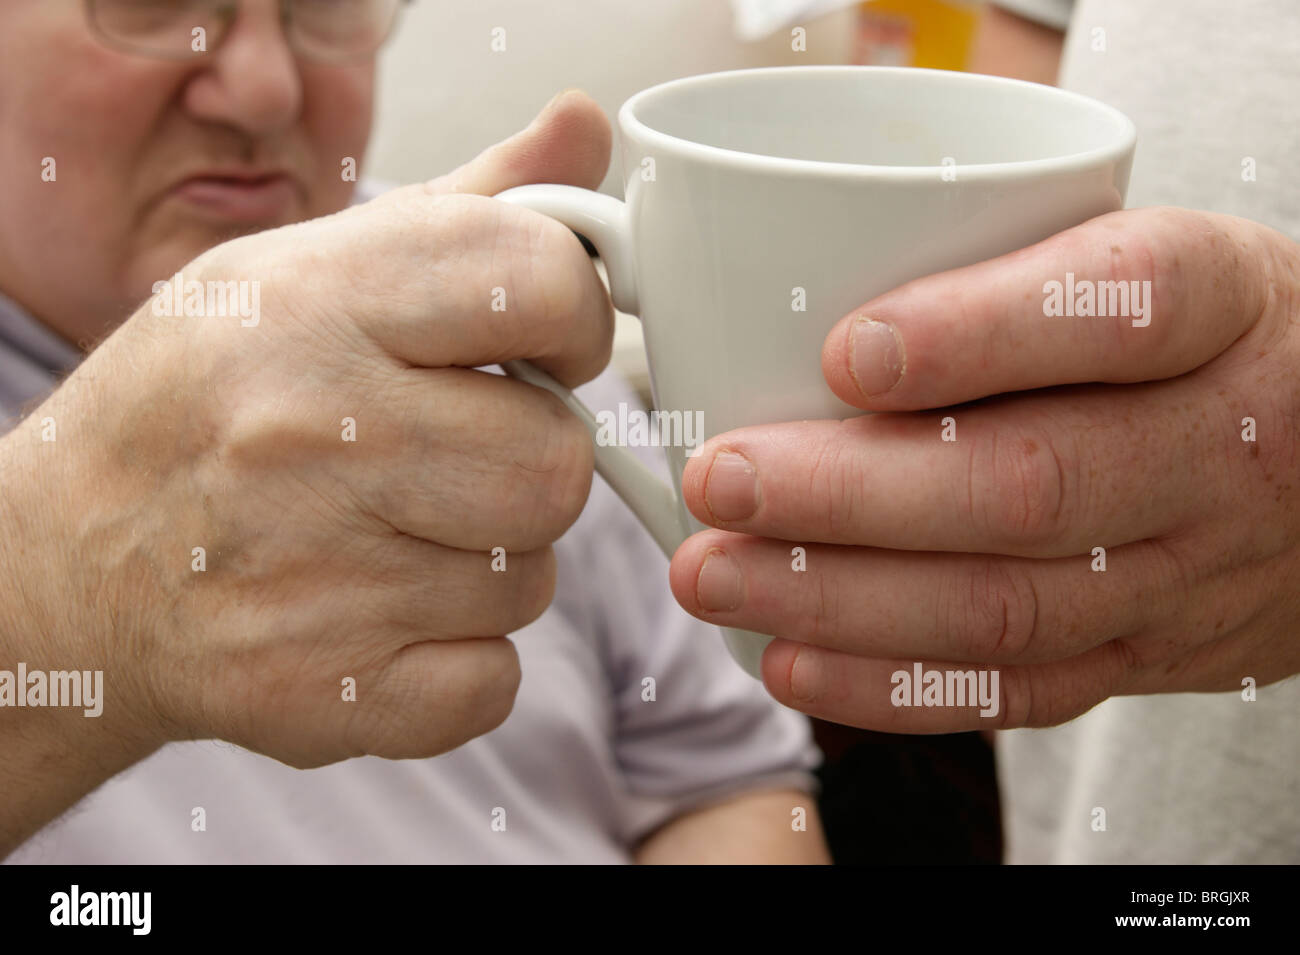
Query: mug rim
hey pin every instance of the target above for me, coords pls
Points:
(1122, 148)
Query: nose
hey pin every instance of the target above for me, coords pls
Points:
(251, 81)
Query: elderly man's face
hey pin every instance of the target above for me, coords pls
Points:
(156, 160)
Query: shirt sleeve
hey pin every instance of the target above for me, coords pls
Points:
(1050, 13)
(704, 729)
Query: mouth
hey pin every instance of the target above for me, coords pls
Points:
(240, 197)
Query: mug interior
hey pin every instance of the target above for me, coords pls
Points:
(880, 116)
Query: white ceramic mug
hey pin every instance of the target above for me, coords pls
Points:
(751, 193)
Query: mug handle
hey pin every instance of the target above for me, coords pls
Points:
(603, 220)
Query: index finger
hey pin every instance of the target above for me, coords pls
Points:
(439, 281)
(1131, 296)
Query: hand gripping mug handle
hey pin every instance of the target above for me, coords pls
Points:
(603, 220)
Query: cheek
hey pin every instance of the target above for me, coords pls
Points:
(103, 128)
(94, 117)
(337, 112)
(85, 127)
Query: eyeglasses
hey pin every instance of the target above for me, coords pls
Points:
(330, 31)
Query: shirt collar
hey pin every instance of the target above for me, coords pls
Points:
(25, 335)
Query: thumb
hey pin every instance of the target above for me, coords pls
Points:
(568, 143)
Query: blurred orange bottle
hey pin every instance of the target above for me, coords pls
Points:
(930, 33)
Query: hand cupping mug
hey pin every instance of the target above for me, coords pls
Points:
(762, 206)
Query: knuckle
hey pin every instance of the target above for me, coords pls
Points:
(555, 284)
(1127, 659)
(532, 589)
(835, 479)
(1135, 256)
(455, 214)
(1032, 700)
(493, 696)
(1191, 257)
(1053, 710)
(462, 231)
(997, 615)
(571, 450)
(820, 622)
(1040, 696)
(1161, 254)
(549, 284)
(1280, 275)
(1018, 698)
(554, 478)
(1018, 489)
(465, 232)
(397, 725)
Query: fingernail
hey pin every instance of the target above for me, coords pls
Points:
(807, 675)
(876, 356)
(731, 489)
(719, 586)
